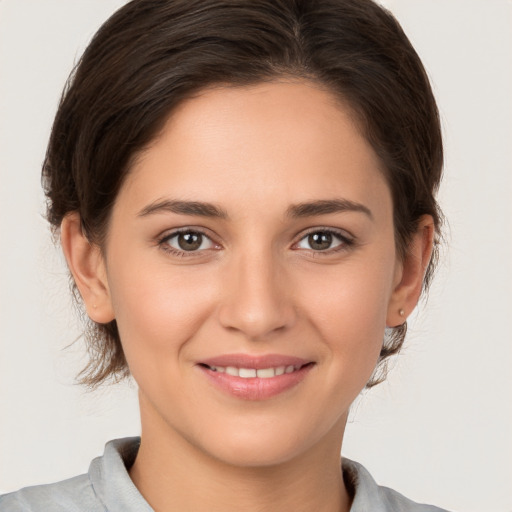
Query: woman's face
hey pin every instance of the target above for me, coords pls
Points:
(250, 264)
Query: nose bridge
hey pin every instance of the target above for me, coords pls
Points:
(256, 299)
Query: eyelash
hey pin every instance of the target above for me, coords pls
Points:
(346, 242)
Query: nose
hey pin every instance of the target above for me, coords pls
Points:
(257, 298)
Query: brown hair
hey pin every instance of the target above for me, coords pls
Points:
(152, 54)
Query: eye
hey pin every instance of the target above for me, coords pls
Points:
(186, 241)
(324, 240)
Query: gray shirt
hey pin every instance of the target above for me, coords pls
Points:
(107, 487)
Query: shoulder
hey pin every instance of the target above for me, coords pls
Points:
(107, 486)
(72, 495)
(399, 503)
(368, 495)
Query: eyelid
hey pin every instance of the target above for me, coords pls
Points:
(168, 235)
(343, 234)
(336, 231)
(346, 238)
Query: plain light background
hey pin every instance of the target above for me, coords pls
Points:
(439, 430)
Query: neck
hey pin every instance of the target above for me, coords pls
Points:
(173, 474)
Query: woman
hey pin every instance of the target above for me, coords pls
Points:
(245, 195)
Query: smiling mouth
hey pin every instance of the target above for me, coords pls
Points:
(256, 373)
(255, 377)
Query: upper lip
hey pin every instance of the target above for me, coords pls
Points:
(257, 362)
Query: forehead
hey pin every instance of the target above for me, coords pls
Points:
(288, 137)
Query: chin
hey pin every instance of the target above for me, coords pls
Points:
(266, 444)
(256, 454)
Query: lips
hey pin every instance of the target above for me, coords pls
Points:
(255, 377)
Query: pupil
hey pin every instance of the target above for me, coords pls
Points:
(189, 241)
(320, 240)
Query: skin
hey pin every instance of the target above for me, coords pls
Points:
(256, 286)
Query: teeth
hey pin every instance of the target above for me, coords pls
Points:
(247, 373)
(266, 373)
(251, 373)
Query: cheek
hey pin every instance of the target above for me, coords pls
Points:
(348, 307)
(157, 311)
(342, 308)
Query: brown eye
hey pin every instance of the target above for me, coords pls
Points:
(324, 240)
(320, 241)
(187, 241)
(190, 241)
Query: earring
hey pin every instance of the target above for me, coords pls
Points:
(401, 312)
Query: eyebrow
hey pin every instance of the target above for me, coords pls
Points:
(326, 206)
(300, 210)
(184, 208)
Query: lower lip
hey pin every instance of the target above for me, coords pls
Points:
(256, 388)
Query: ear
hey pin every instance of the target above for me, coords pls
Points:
(86, 263)
(410, 273)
